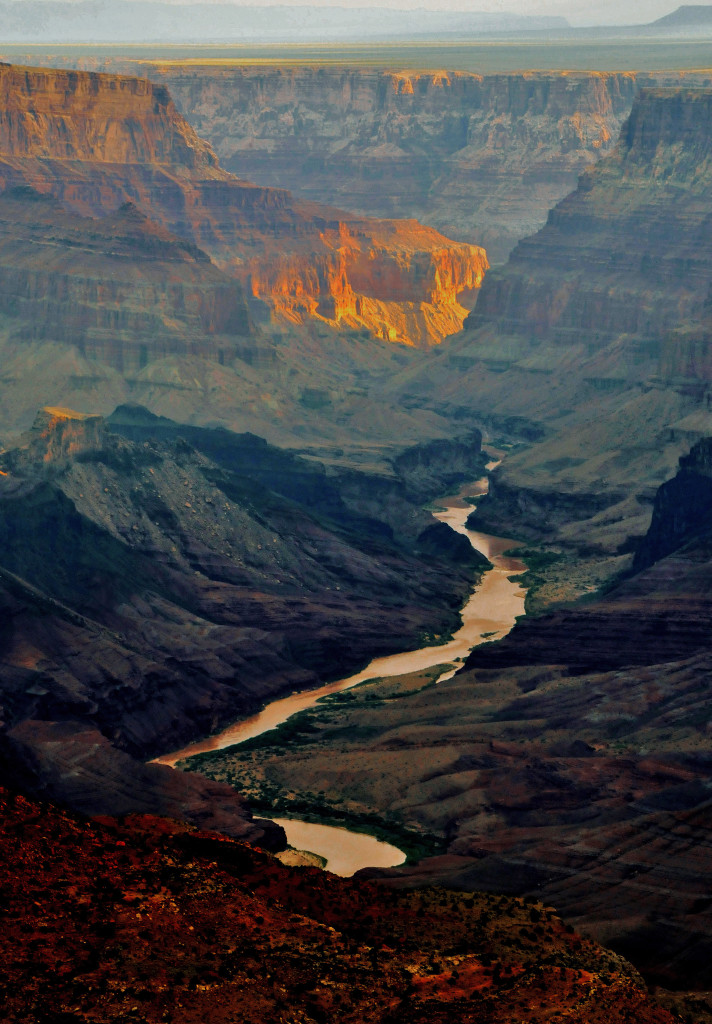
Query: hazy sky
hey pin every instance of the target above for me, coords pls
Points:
(578, 12)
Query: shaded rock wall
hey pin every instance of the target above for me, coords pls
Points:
(121, 289)
(628, 255)
(481, 158)
(682, 508)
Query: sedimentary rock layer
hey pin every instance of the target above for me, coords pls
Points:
(95, 142)
(626, 257)
(482, 158)
(121, 289)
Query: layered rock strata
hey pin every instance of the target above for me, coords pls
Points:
(626, 257)
(95, 142)
(481, 158)
(121, 289)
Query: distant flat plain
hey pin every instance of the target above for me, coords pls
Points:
(624, 54)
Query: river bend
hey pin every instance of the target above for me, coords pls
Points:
(489, 614)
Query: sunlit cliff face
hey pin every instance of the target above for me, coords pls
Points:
(400, 281)
(60, 433)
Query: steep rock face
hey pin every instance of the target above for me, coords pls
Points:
(69, 115)
(396, 277)
(682, 508)
(122, 289)
(627, 256)
(95, 142)
(481, 158)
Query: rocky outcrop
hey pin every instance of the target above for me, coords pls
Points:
(438, 466)
(69, 115)
(96, 142)
(192, 925)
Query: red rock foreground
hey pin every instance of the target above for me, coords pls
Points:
(145, 921)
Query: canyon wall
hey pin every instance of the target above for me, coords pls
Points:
(627, 256)
(120, 289)
(95, 142)
(682, 511)
(482, 158)
(594, 340)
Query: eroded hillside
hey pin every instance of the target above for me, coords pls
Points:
(150, 592)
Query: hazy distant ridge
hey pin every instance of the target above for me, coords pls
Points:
(125, 21)
(689, 16)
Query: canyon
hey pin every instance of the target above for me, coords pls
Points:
(96, 142)
(591, 342)
(570, 759)
(152, 590)
(480, 157)
(162, 575)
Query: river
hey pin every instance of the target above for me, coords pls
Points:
(489, 614)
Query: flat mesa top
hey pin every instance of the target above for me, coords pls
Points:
(492, 56)
(61, 412)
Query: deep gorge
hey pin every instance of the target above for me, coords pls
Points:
(165, 569)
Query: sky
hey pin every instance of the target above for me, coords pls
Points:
(578, 12)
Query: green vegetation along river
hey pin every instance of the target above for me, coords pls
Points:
(489, 614)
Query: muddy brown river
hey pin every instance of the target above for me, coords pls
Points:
(489, 614)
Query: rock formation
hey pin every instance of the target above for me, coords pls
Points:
(482, 158)
(121, 289)
(95, 142)
(682, 510)
(625, 257)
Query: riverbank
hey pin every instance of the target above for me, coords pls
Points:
(249, 754)
(489, 614)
